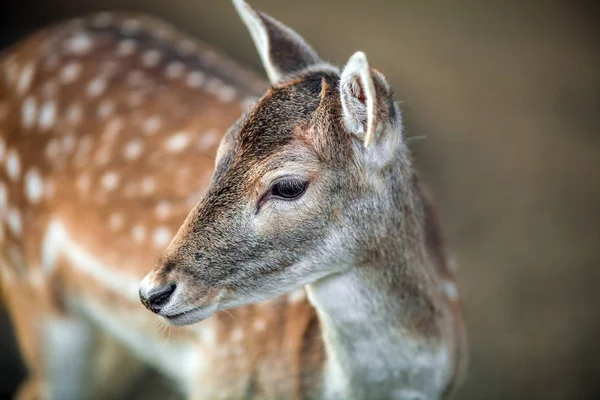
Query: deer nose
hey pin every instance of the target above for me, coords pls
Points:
(158, 297)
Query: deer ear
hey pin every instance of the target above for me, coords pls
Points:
(281, 50)
(367, 101)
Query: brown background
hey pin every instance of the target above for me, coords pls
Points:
(507, 95)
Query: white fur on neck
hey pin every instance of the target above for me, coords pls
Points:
(366, 358)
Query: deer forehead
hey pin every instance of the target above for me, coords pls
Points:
(291, 123)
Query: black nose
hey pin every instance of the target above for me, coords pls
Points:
(158, 298)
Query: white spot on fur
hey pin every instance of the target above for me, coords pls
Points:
(139, 233)
(147, 185)
(126, 47)
(259, 325)
(68, 143)
(70, 72)
(226, 93)
(163, 210)
(116, 221)
(25, 78)
(14, 220)
(177, 142)
(161, 237)
(195, 79)
(133, 149)
(237, 335)
(28, 112)
(79, 44)
(105, 108)
(151, 58)
(174, 70)
(34, 186)
(110, 181)
(13, 165)
(96, 87)
(74, 113)
(47, 116)
(152, 125)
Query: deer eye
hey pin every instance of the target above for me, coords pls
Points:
(288, 189)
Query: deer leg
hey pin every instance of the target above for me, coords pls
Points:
(115, 370)
(22, 305)
(30, 389)
(55, 347)
(65, 356)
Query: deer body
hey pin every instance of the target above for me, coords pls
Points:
(113, 127)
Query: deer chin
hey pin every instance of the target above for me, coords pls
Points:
(191, 315)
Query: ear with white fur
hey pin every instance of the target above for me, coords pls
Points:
(367, 102)
(281, 50)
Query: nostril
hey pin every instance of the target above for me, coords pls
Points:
(160, 297)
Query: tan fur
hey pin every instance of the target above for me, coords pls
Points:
(69, 155)
(120, 118)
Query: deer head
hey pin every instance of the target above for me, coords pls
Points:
(303, 184)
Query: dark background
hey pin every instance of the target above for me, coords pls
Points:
(507, 95)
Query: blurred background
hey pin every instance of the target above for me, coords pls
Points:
(503, 101)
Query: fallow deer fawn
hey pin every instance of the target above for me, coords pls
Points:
(109, 128)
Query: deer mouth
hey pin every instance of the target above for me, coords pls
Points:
(192, 315)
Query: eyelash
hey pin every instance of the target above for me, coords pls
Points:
(274, 191)
(294, 187)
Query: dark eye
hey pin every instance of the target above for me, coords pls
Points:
(288, 189)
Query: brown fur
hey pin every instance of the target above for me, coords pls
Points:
(272, 349)
(86, 214)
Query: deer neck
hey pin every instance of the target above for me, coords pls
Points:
(382, 320)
